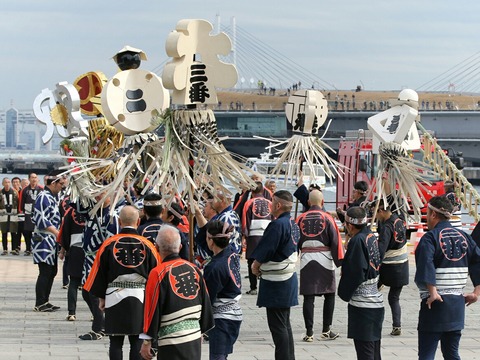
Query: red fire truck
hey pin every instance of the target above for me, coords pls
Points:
(355, 153)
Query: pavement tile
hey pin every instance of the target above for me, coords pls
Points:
(28, 335)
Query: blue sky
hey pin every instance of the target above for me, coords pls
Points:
(381, 44)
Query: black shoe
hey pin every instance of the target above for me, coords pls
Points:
(27, 253)
(43, 308)
(53, 307)
(92, 335)
(14, 252)
(329, 335)
(5, 252)
(396, 331)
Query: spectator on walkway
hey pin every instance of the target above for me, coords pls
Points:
(27, 201)
(9, 217)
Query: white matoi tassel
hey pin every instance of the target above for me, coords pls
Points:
(404, 176)
(312, 150)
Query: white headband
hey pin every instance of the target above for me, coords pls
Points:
(440, 211)
(283, 202)
(355, 221)
(152, 202)
(223, 234)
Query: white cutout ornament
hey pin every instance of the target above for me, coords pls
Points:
(396, 125)
(307, 111)
(196, 70)
(131, 98)
(60, 109)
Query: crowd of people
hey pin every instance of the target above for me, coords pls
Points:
(16, 205)
(139, 259)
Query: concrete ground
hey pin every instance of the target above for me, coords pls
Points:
(25, 334)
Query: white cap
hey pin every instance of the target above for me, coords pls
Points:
(143, 56)
(408, 95)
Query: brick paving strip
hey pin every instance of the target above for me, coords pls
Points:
(25, 334)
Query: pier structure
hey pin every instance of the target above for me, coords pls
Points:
(24, 162)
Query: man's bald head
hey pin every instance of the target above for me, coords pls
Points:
(315, 198)
(129, 216)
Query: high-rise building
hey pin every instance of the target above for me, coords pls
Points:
(20, 130)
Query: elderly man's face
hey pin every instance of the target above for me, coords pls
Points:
(272, 186)
(6, 184)
(208, 210)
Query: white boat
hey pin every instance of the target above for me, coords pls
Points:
(266, 163)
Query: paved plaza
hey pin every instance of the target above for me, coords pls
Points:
(25, 334)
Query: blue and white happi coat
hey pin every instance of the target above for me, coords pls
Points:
(97, 229)
(46, 213)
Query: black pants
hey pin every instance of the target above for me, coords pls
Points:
(43, 287)
(116, 345)
(72, 294)
(27, 235)
(279, 324)
(367, 350)
(394, 302)
(14, 238)
(92, 301)
(309, 310)
(251, 277)
(65, 279)
(449, 343)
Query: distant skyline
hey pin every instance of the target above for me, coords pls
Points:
(377, 44)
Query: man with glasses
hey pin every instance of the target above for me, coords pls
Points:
(46, 217)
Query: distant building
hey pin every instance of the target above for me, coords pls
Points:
(20, 130)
